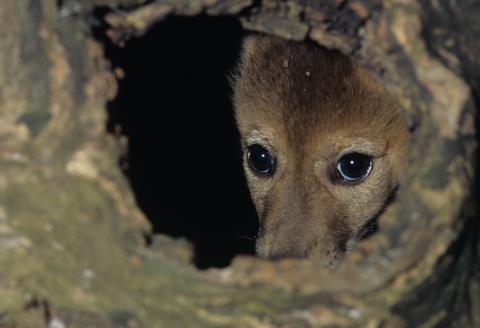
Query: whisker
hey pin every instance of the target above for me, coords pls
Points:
(247, 237)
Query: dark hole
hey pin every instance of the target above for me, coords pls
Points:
(184, 158)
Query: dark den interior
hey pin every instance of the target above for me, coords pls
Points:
(184, 156)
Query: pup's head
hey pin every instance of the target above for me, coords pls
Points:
(324, 147)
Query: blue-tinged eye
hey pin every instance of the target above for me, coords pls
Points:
(354, 167)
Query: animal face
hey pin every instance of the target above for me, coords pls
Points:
(324, 147)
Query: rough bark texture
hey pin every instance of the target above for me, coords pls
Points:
(71, 238)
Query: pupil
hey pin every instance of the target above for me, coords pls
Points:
(260, 159)
(354, 166)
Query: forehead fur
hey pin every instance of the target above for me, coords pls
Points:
(302, 86)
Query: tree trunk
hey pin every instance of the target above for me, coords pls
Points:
(72, 246)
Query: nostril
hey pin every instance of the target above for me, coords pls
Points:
(310, 249)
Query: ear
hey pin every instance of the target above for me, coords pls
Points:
(253, 45)
(248, 52)
(249, 47)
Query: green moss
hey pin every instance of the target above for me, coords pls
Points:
(79, 260)
(436, 172)
(34, 58)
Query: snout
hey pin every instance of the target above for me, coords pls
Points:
(325, 241)
(324, 251)
(274, 245)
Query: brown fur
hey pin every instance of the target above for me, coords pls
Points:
(309, 106)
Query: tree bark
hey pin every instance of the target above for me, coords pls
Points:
(71, 237)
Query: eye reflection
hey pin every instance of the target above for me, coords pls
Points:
(260, 160)
(354, 167)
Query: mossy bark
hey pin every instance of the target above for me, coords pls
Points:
(71, 236)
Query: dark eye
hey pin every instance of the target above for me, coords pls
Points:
(354, 167)
(260, 160)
